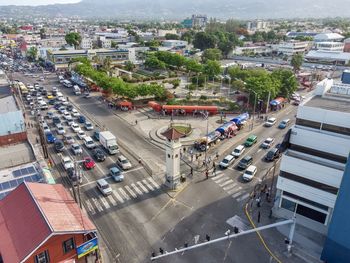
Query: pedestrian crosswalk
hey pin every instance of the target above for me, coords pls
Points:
(230, 186)
(99, 203)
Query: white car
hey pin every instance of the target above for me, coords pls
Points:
(76, 149)
(64, 101)
(75, 113)
(123, 162)
(69, 122)
(54, 89)
(67, 163)
(227, 161)
(69, 139)
(81, 134)
(89, 142)
(61, 109)
(89, 126)
(238, 151)
(267, 143)
(270, 122)
(75, 127)
(67, 116)
(249, 174)
(46, 129)
(60, 130)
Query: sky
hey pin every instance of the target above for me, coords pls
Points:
(36, 2)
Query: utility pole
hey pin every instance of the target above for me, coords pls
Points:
(254, 109)
(206, 143)
(268, 103)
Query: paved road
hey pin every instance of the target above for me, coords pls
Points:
(139, 217)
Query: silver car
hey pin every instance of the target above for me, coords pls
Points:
(123, 162)
(104, 187)
(76, 149)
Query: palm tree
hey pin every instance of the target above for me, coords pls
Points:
(107, 65)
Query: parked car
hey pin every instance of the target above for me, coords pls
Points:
(104, 187)
(50, 138)
(284, 124)
(273, 154)
(59, 146)
(50, 114)
(252, 139)
(249, 174)
(267, 143)
(89, 126)
(116, 174)
(238, 151)
(76, 149)
(270, 122)
(70, 107)
(227, 161)
(89, 163)
(81, 119)
(123, 162)
(61, 109)
(67, 115)
(99, 155)
(245, 162)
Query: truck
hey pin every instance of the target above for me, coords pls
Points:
(109, 142)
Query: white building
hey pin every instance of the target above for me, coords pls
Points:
(330, 46)
(86, 43)
(333, 57)
(293, 47)
(257, 25)
(174, 43)
(250, 50)
(313, 165)
(55, 42)
(326, 37)
(163, 32)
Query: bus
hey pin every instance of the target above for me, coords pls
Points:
(22, 88)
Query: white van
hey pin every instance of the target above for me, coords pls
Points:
(89, 142)
(77, 90)
(59, 96)
(67, 83)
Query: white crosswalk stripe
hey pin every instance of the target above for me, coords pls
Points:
(226, 183)
(153, 182)
(142, 187)
(222, 179)
(237, 194)
(105, 203)
(90, 207)
(243, 197)
(218, 176)
(229, 187)
(234, 190)
(148, 184)
(116, 195)
(136, 189)
(130, 191)
(97, 204)
(111, 200)
(124, 194)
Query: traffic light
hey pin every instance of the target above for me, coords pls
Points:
(207, 237)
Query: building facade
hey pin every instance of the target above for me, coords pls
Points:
(311, 172)
(86, 43)
(293, 47)
(330, 46)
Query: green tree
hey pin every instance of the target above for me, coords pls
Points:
(188, 36)
(211, 54)
(129, 66)
(32, 53)
(153, 62)
(262, 85)
(203, 40)
(212, 68)
(73, 39)
(288, 81)
(114, 44)
(226, 47)
(42, 33)
(170, 36)
(107, 65)
(152, 43)
(297, 62)
(193, 66)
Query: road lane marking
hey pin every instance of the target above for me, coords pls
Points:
(259, 150)
(142, 187)
(222, 179)
(111, 199)
(127, 197)
(234, 190)
(148, 185)
(132, 170)
(136, 189)
(104, 202)
(130, 191)
(226, 183)
(90, 207)
(217, 177)
(153, 182)
(230, 186)
(243, 197)
(97, 204)
(115, 194)
(237, 194)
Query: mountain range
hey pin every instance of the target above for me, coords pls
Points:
(179, 9)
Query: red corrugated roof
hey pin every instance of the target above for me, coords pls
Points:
(34, 211)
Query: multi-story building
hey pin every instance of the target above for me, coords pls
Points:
(313, 164)
(326, 37)
(330, 46)
(56, 42)
(347, 45)
(293, 47)
(86, 43)
(104, 42)
(199, 21)
(42, 223)
(257, 25)
(175, 43)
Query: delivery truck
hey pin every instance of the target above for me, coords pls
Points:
(109, 142)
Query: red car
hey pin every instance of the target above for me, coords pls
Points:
(89, 163)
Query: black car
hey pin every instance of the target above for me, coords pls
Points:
(59, 146)
(52, 101)
(245, 162)
(69, 107)
(73, 176)
(99, 155)
(56, 120)
(272, 155)
(44, 92)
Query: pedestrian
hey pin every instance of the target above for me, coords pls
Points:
(214, 165)
(207, 174)
(135, 122)
(267, 194)
(37, 140)
(214, 170)
(197, 157)
(217, 155)
(258, 201)
(259, 217)
(191, 172)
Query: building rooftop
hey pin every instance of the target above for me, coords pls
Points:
(328, 36)
(331, 102)
(7, 104)
(320, 54)
(172, 134)
(45, 210)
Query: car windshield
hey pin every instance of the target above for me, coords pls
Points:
(270, 153)
(76, 147)
(248, 172)
(90, 142)
(125, 161)
(105, 186)
(225, 161)
(88, 160)
(270, 121)
(250, 139)
(267, 141)
(237, 151)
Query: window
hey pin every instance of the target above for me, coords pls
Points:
(68, 245)
(311, 213)
(336, 129)
(306, 201)
(287, 204)
(307, 123)
(43, 257)
(302, 180)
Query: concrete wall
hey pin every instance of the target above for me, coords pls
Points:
(13, 138)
